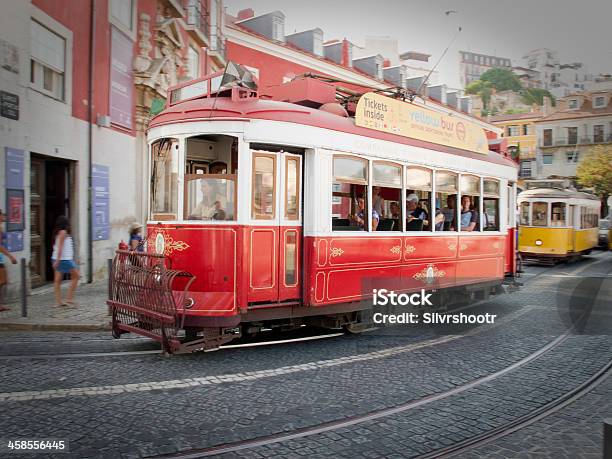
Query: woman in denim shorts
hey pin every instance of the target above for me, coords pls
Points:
(62, 259)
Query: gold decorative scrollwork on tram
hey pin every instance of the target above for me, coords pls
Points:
(396, 250)
(409, 249)
(335, 252)
(164, 244)
(429, 274)
(452, 246)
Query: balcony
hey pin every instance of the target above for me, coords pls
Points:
(197, 21)
(573, 141)
(217, 44)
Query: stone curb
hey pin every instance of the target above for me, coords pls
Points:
(58, 326)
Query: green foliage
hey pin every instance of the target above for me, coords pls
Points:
(481, 88)
(515, 111)
(536, 96)
(595, 170)
(502, 80)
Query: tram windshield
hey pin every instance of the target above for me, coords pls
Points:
(211, 166)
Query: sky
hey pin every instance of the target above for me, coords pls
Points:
(579, 30)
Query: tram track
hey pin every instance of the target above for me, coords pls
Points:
(454, 449)
(457, 448)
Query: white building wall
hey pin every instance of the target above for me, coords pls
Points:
(14, 32)
(47, 127)
(560, 165)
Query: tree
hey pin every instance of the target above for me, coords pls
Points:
(536, 96)
(482, 89)
(595, 171)
(502, 79)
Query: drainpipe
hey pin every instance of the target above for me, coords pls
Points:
(92, 39)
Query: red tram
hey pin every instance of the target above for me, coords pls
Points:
(284, 210)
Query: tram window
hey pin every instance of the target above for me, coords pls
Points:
(446, 200)
(264, 187)
(539, 214)
(557, 214)
(490, 205)
(470, 203)
(292, 188)
(210, 197)
(349, 195)
(291, 258)
(164, 180)
(524, 213)
(386, 195)
(418, 200)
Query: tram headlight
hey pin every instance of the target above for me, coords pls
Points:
(538, 242)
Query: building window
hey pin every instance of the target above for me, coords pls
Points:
(547, 159)
(599, 102)
(526, 129)
(572, 104)
(47, 61)
(572, 135)
(598, 133)
(193, 63)
(571, 156)
(525, 169)
(123, 15)
(513, 131)
(548, 137)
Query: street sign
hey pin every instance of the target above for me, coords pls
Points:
(9, 105)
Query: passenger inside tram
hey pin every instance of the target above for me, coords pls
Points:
(449, 211)
(359, 218)
(416, 216)
(469, 215)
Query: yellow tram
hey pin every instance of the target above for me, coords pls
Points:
(557, 224)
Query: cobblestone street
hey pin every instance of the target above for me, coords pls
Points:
(393, 392)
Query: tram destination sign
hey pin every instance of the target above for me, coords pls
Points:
(382, 113)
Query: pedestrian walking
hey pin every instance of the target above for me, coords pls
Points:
(136, 238)
(63, 263)
(3, 274)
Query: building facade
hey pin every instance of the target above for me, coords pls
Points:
(581, 121)
(520, 132)
(78, 85)
(473, 65)
(559, 78)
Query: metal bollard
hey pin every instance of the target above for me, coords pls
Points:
(607, 439)
(24, 293)
(110, 270)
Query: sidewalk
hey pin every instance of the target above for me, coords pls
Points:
(91, 314)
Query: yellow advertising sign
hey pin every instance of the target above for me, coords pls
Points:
(382, 113)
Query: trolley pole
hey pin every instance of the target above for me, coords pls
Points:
(607, 439)
(24, 293)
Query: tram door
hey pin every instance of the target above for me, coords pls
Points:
(276, 230)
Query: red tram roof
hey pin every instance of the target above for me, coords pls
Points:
(258, 109)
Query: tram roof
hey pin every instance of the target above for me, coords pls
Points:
(222, 107)
(556, 193)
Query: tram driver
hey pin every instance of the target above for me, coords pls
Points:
(211, 207)
(359, 218)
